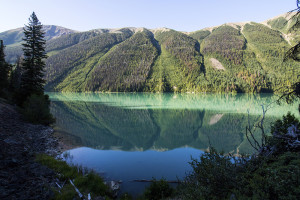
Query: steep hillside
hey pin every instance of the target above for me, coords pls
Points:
(234, 57)
(178, 65)
(69, 69)
(270, 46)
(13, 39)
(16, 35)
(225, 42)
(126, 66)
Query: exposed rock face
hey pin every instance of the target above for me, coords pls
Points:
(20, 176)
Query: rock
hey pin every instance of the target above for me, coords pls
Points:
(20, 176)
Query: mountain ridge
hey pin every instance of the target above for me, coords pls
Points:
(233, 57)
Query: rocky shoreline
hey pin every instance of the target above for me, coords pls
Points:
(20, 176)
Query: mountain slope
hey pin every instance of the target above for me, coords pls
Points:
(178, 64)
(13, 39)
(125, 67)
(234, 57)
(245, 57)
(68, 69)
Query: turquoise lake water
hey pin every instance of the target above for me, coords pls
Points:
(128, 136)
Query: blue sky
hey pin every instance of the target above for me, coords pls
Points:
(181, 15)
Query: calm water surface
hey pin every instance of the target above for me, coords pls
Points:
(126, 136)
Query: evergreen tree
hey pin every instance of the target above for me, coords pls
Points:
(15, 75)
(4, 69)
(31, 93)
(32, 81)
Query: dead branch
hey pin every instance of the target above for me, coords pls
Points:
(76, 189)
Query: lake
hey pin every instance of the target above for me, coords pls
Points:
(129, 136)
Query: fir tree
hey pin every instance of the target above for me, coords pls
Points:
(4, 69)
(15, 75)
(32, 81)
(31, 94)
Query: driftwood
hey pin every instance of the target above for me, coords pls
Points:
(148, 181)
(76, 189)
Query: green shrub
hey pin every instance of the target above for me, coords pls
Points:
(277, 177)
(272, 174)
(214, 176)
(158, 190)
(36, 110)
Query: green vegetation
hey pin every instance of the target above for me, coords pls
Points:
(23, 84)
(69, 68)
(175, 62)
(32, 81)
(229, 58)
(178, 65)
(227, 42)
(158, 189)
(269, 48)
(36, 110)
(214, 176)
(12, 36)
(200, 35)
(4, 70)
(279, 24)
(126, 66)
(86, 182)
(13, 40)
(66, 41)
(271, 174)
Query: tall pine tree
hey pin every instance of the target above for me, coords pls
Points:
(4, 69)
(32, 81)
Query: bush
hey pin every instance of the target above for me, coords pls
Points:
(272, 174)
(36, 110)
(158, 190)
(213, 177)
(277, 177)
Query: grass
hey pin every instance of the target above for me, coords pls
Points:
(86, 182)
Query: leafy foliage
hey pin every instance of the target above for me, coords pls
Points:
(213, 177)
(272, 174)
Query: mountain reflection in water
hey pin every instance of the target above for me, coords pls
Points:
(138, 122)
(139, 136)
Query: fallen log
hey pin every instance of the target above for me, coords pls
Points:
(149, 181)
(76, 189)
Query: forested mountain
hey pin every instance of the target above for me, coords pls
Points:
(13, 39)
(234, 57)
